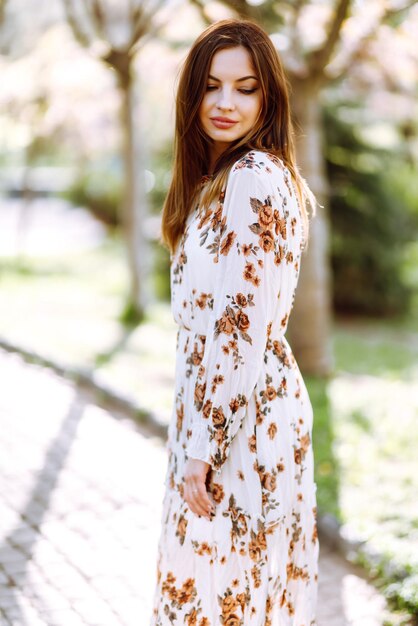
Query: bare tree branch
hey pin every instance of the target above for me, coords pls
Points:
(97, 16)
(2, 10)
(154, 30)
(142, 22)
(294, 61)
(202, 10)
(297, 7)
(356, 52)
(79, 33)
(319, 59)
(242, 8)
(395, 11)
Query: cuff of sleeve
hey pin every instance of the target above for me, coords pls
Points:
(198, 446)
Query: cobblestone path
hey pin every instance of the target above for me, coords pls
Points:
(80, 505)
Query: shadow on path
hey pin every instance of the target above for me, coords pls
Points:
(36, 507)
(102, 358)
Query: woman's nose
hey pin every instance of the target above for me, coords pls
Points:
(225, 101)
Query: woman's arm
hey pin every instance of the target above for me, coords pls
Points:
(249, 284)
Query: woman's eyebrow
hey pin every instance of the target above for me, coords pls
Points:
(239, 80)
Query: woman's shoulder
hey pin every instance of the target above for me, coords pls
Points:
(264, 168)
(261, 163)
(261, 173)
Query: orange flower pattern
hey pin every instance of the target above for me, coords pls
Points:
(241, 405)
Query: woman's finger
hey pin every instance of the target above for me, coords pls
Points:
(189, 497)
(206, 502)
(196, 476)
(198, 500)
(203, 498)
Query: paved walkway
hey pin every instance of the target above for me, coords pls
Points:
(80, 505)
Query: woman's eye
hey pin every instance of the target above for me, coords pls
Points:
(242, 90)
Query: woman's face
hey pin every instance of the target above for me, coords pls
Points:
(233, 98)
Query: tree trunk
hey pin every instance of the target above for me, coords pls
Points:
(134, 210)
(310, 322)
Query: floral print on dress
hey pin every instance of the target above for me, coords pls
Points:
(240, 404)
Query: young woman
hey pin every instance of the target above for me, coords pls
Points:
(238, 541)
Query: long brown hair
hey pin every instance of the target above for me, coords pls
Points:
(272, 133)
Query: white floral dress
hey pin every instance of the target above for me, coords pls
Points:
(241, 405)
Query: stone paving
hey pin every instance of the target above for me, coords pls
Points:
(80, 505)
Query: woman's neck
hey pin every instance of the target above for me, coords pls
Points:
(215, 153)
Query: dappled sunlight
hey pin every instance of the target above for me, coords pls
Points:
(82, 492)
(144, 369)
(355, 601)
(362, 604)
(376, 348)
(81, 502)
(46, 229)
(376, 442)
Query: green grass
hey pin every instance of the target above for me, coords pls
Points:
(65, 307)
(377, 348)
(374, 407)
(375, 410)
(326, 464)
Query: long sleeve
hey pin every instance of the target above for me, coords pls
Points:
(249, 276)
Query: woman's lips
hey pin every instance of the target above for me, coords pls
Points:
(220, 122)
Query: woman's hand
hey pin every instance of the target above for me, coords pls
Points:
(195, 493)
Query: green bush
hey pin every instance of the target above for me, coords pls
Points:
(161, 273)
(403, 594)
(399, 585)
(99, 190)
(161, 168)
(371, 220)
(327, 470)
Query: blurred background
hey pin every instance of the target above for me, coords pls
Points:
(86, 124)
